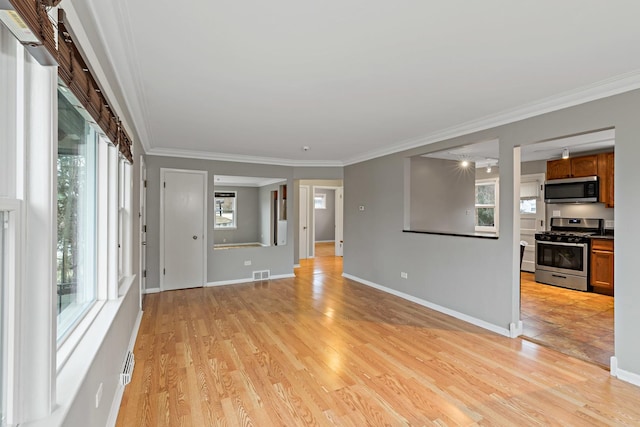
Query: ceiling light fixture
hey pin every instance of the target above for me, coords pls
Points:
(306, 148)
(464, 163)
(565, 153)
(489, 169)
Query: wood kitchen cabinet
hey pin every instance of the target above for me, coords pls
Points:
(606, 164)
(574, 167)
(601, 276)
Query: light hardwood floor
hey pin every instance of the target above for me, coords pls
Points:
(576, 323)
(322, 350)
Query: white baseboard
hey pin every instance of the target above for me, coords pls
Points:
(117, 399)
(248, 280)
(296, 265)
(151, 291)
(623, 375)
(325, 241)
(469, 319)
(516, 329)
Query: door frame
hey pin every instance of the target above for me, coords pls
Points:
(300, 234)
(312, 244)
(540, 178)
(205, 175)
(142, 230)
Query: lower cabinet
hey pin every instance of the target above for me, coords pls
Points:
(601, 278)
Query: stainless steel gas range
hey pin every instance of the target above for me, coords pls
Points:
(562, 253)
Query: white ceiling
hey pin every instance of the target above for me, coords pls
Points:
(352, 79)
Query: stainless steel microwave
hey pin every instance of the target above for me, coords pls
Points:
(572, 190)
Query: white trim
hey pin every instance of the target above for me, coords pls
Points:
(152, 291)
(602, 89)
(207, 155)
(247, 280)
(623, 375)
(516, 329)
(10, 307)
(117, 399)
(296, 265)
(469, 319)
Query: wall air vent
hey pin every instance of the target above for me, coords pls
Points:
(127, 369)
(261, 275)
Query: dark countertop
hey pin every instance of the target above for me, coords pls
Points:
(603, 237)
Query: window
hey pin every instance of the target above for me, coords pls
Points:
(320, 201)
(4, 224)
(76, 213)
(124, 217)
(225, 208)
(528, 206)
(486, 205)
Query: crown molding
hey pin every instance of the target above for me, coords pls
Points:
(206, 155)
(605, 88)
(602, 89)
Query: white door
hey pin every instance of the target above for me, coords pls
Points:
(303, 231)
(532, 216)
(339, 226)
(143, 228)
(183, 228)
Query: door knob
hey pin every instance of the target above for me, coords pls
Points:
(195, 237)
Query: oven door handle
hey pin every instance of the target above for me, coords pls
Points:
(545, 242)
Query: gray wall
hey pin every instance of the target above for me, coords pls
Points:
(325, 219)
(222, 265)
(480, 277)
(442, 196)
(248, 219)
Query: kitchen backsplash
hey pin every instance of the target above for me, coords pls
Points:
(584, 210)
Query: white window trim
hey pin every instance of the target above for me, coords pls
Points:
(322, 198)
(235, 211)
(496, 227)
(10, 309)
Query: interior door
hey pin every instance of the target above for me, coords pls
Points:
(303, 223)
(532, 216)
(339, 220)
(183, 229)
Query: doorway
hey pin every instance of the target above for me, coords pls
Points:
(577, 323)
(183, 235)
(143, 230)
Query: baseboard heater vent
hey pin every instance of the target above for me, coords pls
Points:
(261, 275)
(127, 370)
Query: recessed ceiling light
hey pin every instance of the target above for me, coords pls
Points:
(306, 148)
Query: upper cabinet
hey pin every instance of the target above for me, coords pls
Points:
(606, 172)
(573, 168)
(601, 165)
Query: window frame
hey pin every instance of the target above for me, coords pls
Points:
(234, 211)
(322, 199)
(495, 206)
(9, 305)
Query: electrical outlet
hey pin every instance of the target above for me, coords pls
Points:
(609, 223)
(99, 395)
(403, 275)
(468, 212)
(247, 262)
